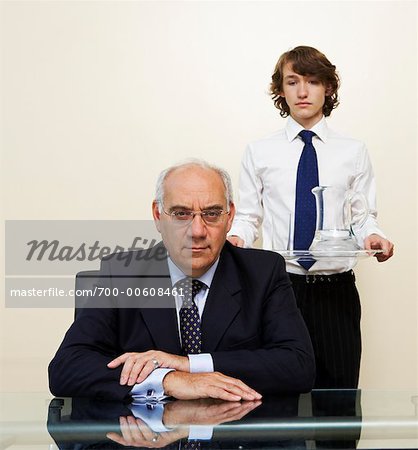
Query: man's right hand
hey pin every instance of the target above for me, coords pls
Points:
(190, 386)
(136, 433)
(137, 366)
(236, 240)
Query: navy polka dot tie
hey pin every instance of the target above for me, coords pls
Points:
(191, 337)
(305, 207)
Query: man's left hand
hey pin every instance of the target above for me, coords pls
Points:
(376, 242)
(137, 366)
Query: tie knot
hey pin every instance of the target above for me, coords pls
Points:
(190, 286)
(307, 136)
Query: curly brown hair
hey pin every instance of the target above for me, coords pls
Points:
(306, 61)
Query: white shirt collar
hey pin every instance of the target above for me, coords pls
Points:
(293, 128)
(176, 274)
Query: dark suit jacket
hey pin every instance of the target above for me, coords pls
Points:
(250, 325)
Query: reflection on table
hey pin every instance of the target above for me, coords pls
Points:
(331, 419)
(321, 419)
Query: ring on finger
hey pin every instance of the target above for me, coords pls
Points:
(155, 437)
(156, 363)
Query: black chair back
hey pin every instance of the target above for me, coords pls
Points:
(85, 283)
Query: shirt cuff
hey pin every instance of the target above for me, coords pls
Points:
(201, 362)
(151, 389)
(241, 230)
(200, 432)
(152, 415)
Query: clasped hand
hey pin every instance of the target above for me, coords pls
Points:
(178, 416)
(137, 366)
(136, 433)
(181, 384)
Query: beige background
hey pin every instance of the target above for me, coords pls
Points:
(98, 97)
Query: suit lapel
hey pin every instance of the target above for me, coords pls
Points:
(162, 325)
(222, 304)
(159, 312)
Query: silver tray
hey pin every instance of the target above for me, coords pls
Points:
(306, 255)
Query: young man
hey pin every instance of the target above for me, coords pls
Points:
(277, 175)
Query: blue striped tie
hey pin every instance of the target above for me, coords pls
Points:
(305, 207)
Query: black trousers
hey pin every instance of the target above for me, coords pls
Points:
(330, 305)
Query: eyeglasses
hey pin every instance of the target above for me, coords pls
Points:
(209, 216)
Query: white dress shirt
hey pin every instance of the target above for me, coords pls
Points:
(201, 362)
(267, 188)
(151, 389)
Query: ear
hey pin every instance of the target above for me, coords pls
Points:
(328, 91)
(156, 214)
(230, 216)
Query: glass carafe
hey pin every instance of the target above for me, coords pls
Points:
(338, 213)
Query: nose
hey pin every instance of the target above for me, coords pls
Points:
(302, 89)
(198, 227)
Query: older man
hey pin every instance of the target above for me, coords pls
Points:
(230, 329)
